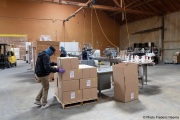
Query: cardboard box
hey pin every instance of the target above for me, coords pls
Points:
(68, 62)
(71, 74)
(74, 62)
(56, 91)
(69, 85)
(89, 94)
(93, 71)
(85, 73)
(88, 71)
(53, 43)
(44, 47)
(56, 79)
(88, 83)
(125, 81)
(176, 59)
(94, 93)
(64, 62)
(70, 97)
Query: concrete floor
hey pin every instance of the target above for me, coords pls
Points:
(161, 97)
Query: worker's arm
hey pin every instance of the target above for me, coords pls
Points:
(47, 66)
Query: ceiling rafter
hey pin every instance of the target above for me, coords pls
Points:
(153, 8)
(135, 9)
(175, 3)
(116, 3)
(130, 4)
(167, 5)
(141, 3)
(108, 8)
(73, 15)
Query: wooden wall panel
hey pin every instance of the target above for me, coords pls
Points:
(139, 26)
(35, 19)
(172, 36)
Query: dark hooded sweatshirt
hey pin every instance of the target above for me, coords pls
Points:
(43, 65)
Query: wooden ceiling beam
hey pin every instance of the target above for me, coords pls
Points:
(108, 8)
(77, 11)
(100, 7)
(142, 3)
(130, 4)
(116, 3)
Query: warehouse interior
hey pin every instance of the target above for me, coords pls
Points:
(132, 66)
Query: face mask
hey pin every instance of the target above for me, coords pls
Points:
(49, 52)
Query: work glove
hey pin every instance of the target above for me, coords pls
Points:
(61, 70)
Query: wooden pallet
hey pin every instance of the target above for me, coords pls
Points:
(67, 105)
(78, 103)
(90, 101)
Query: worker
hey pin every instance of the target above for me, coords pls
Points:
(42, 70)
(63, 52)
(84, 54)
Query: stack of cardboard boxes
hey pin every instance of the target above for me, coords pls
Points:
(88, 82)
(176, 57)
(125, 81)
(77, 84)
(39, 46)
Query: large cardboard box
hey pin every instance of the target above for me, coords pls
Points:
(68, 62)
(68, 85)
(93, 71)
(125, 81)
(64, 62)
(74, 62)
(88, 71)
(70, 74)
(85, 72)
(70, 96)
(89, 94)
(56, 79)
(53, 43)
(176, 59)
(44, 47)
(88, 83)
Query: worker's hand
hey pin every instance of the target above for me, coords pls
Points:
(61, 70)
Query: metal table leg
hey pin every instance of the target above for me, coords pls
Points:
(145, 72)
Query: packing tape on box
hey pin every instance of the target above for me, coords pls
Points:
(79, 91)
